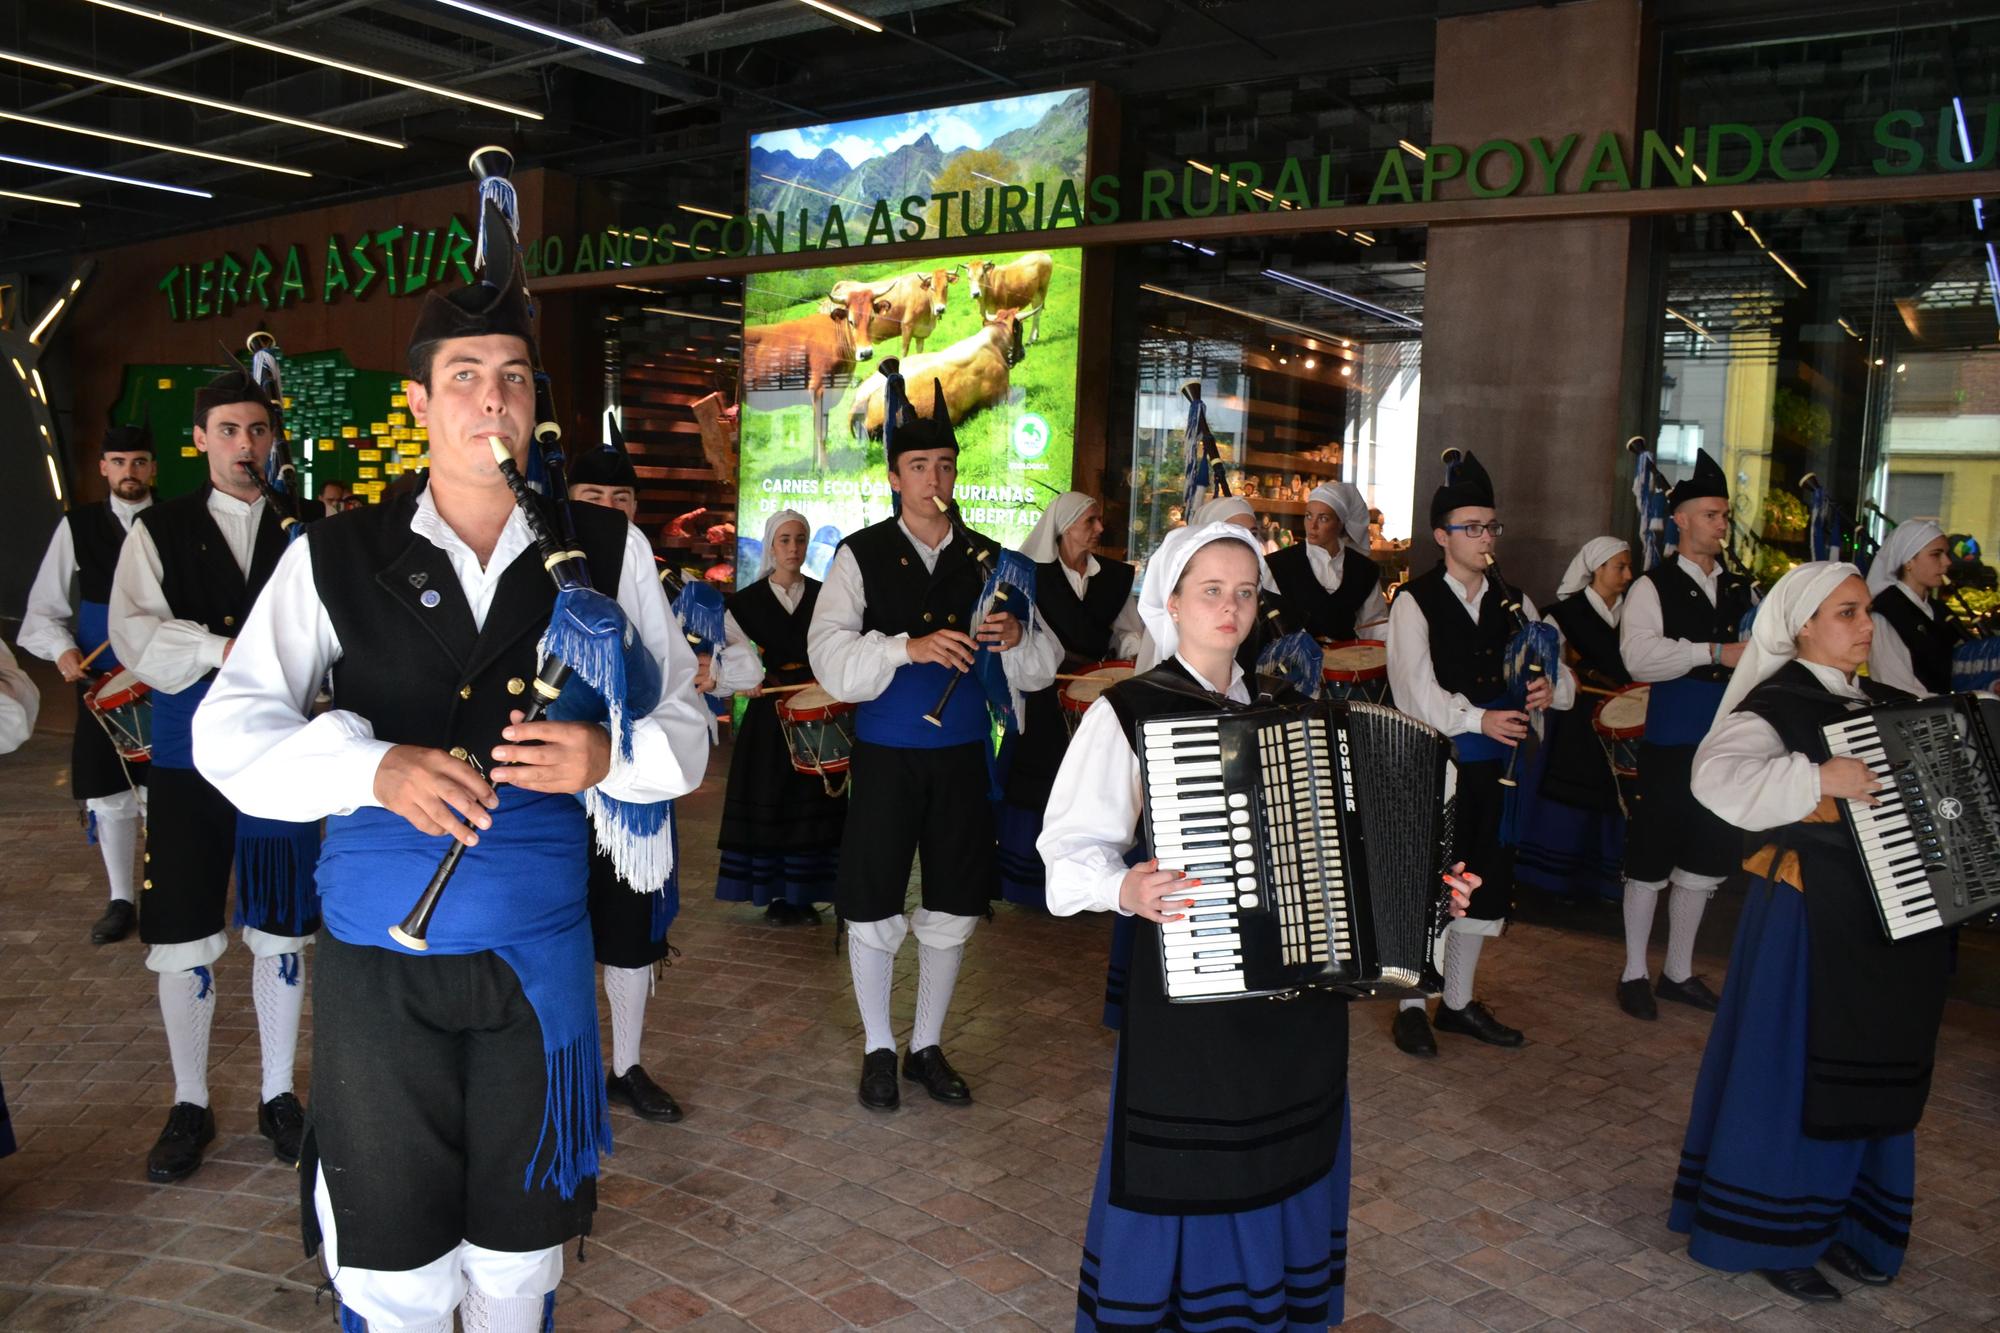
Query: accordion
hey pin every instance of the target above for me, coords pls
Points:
(1320, 833)
(1932, 845)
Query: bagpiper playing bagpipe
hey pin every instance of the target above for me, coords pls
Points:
(910, 605)
(501, 669)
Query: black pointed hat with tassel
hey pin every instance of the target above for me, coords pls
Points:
(904, 428)
(1466, 486)
(129, 439)
(1708, 483)
(606, 465)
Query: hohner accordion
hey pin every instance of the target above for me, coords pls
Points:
(1932, 845)
(1319, 833)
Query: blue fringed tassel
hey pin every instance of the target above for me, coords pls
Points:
(275, 863)
(207, 980)
(288, 968)
(90, 828)
(576, 1119)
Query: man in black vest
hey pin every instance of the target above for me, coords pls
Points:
(187, 577)
(1329, 584)
(1448, 638)
(82, 555)
(1680, 634)
(890, 629)
(458, 1107)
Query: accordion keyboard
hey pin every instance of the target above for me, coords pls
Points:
(1204, 830)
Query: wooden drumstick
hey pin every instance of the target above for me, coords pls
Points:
(782, 689)
(1582, 688)
(94, 653)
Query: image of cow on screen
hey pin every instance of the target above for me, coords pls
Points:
(997, 330)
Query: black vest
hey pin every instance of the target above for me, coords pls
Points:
(1326, 615)
(97, 535)
(780, 635)
(1083, 624)
(902, 597)
(1227, 1105)
(424, 675)
(1685, 612)
(1595, 640)
(1930, 639)
(1873, 1008)
(197, 572)
(1466, 658)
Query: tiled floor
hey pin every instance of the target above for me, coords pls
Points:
(1492, 1189)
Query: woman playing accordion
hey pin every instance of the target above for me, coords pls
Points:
(1800, 1144)
(1250, 1227)
(780, 838)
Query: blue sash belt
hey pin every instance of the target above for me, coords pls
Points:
(521, 893)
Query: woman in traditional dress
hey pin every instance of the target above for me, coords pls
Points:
(1800, 1144)
(780, 837)
(1088, 603)
(1245, 1224)
(1572, 826)
(1914, 634)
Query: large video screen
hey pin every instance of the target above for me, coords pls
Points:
(995, 327)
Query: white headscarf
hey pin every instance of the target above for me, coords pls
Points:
(1774, 638)
(1163, 571)
(1045, 542)
(1350, 507)
(771, 526)
(1586, 563)
(1220, 508)
(1904, 542)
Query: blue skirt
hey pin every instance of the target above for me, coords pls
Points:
(1279, 1267)
(800, 878)
(1569, 851)
(1023, 878)
(1753, 1191)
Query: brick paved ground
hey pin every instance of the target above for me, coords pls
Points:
(1492, 1190)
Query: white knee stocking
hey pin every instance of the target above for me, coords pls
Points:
(626, 988)
(1684, 908)
(1461, 964)
(277, 986)
(187, 1007)
(481, 1313)
(874, 974)
(1640, 899)
(117, 820)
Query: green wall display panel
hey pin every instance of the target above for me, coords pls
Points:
(345, 423)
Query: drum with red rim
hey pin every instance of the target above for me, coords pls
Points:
(1356, 669)
(1091, 680)
(1619, 723)
(819, 732)
(120, 704)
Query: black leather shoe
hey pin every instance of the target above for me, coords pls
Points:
(878, 1081)
(781, 913)
(1475, 1021)
(1694, 991)
(648, 1100)
(1412, 1033)
(1801, 1284)
(1847, 1263)
(177, 1152)
(940, 1080)
(283, 1121)
(116, 923)
(1635, 997)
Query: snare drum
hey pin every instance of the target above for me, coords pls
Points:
(119, 703)
(1619, 723)
(819, 732)
(1357, 669)
(1078, 695)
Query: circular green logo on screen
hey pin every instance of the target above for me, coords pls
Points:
(1031, 435)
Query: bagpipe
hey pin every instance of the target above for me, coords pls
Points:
(1202, 466)
(594, 667)
(703, 617)
(1830, 533)
(278, 480)
(1534, 649)
(1297, 659)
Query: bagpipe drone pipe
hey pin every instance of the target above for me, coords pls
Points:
(594, 665)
